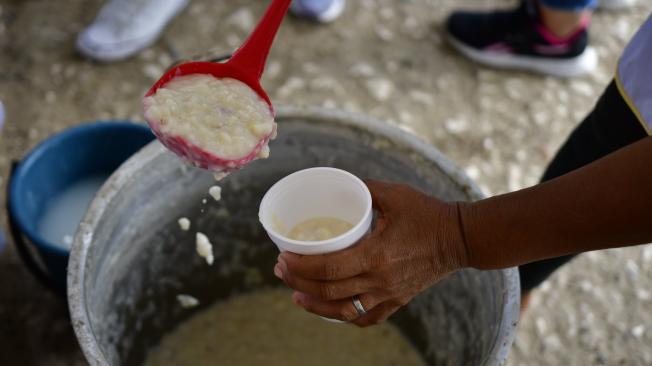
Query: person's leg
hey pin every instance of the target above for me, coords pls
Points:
(545, 36)
(610, 126)
(322, 11)
(125, 27)
(562, 21)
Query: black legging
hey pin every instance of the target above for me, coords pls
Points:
(610, 126)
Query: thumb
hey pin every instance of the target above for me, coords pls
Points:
(380, 194)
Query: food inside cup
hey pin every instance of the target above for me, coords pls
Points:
(217, 124)
(318, 229)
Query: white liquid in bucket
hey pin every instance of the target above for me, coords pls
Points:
(65, 211)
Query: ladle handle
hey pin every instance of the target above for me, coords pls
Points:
(252, 55)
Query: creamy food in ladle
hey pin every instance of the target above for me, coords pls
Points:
(224, 117)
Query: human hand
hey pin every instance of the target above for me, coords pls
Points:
(416, 241)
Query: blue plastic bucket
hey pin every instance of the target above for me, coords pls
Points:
(77, 153)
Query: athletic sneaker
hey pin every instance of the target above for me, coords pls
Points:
(517, 40)
(323, 11)
(124, 27)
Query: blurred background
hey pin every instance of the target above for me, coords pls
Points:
(384, 58)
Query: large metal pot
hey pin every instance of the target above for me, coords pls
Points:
(130, 259)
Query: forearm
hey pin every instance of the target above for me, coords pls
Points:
(603, 205)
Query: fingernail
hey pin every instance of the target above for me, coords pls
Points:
(277, 271)
(282, 265)
(281, 257)
(298, 298)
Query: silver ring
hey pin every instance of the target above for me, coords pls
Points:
(358, 306)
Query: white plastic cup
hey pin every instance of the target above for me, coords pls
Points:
(314, 193)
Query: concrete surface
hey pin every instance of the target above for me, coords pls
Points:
(384, 58)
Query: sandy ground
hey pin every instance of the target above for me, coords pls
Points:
(384, 58)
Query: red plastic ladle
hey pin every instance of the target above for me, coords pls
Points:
(247, 65)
